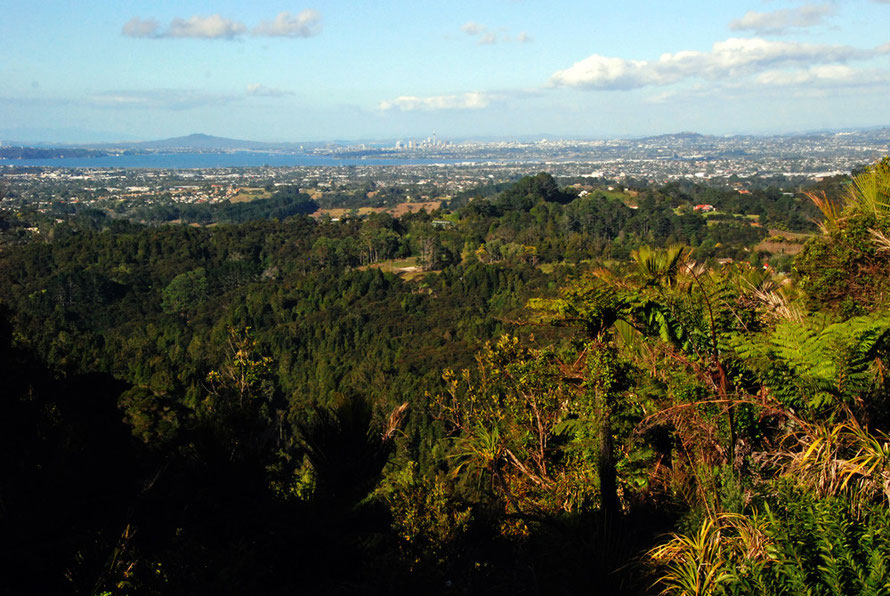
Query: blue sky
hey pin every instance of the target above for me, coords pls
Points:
(284, 71)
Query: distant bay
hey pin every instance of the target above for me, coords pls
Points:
(239, 159)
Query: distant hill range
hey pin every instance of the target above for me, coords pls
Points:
(200, 142)
(194, 143)
(680, 137)
(15, 152)
(681, 145)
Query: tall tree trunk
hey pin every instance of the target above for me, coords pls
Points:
(606, 463)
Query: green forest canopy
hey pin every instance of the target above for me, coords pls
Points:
(258, 407)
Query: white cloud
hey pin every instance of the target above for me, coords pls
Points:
(779, 21)
(602, 72)
(831, 75)
(305, 24)
(825, 80)
(258, 90)
(465, 101)
(487, 37)
(137, 27)
(662, 97)
(472, 28)
(170, 99)
(212, 27)
(731, 58)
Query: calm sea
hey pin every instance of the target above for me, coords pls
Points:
(214, 160)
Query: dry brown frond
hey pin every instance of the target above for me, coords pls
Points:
(695, 269)
(816, 462)
(831, 459)
(777, 304)
(698, 563)
(751, 542)
(610, 277)
(870, 465)
(881, 240)
(396, 417)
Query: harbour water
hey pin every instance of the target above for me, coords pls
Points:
(238, 159)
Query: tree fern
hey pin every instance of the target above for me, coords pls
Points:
(806, 364)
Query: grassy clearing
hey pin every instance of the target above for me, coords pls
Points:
(779, 248)
(795, 236)
(407, 269)
(343, 211)
(781, 242)
(245, 195)
(397, 211)
(751, 220)
(404, 208)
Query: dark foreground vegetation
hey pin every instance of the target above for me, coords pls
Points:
(535, 393)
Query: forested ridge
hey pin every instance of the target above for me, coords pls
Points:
(539, 390)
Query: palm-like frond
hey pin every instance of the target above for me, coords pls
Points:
(591, 304)
(870, 191)
(346, 450)
(868, 194)
(479, 451)
(832, 210)
(659, 266)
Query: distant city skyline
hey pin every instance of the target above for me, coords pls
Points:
(392, 69)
